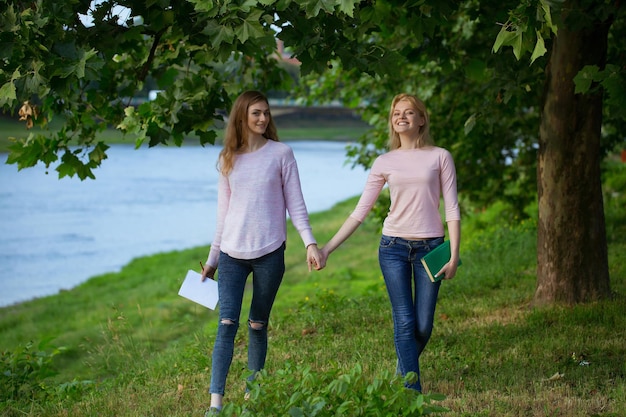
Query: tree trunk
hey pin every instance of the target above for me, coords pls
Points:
(572, 260)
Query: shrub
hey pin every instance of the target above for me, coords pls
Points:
(301, 393)
(24, 371)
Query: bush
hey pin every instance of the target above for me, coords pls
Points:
(24, 371)
(301, 393)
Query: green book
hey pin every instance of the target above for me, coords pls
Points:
(436, 259)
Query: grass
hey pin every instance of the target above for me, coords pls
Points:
(134, 348)
(125, 344)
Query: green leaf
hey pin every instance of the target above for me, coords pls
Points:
(250, 28)
(585, 78)
(280, 5)
(504, 38)
(98, 153)
(313, 7)
(130, 123)
(614, 84)
(206, 137)
(517, 44)
(7, 93)
(157, 134)
(540, 48)
(470, 123)
(205, 6)
(36, 80)
(247, 5)
(545, 6)
(68, 165)
(140, 140)
(8, 20)
(219, 34)
(437, 397)
(84, 57)
(72, 165)
(347, 7)
(24, 153)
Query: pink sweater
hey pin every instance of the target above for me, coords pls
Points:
(252, 202)
(417, 179)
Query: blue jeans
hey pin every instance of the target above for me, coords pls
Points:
(413, 298)
(267, 274)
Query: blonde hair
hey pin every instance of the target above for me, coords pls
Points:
(424, 138)
(236, 136)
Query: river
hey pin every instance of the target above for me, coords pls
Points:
(56, 234)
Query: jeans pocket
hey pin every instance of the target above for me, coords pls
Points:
(386, 241)
(434, 243)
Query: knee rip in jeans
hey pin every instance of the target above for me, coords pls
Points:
(256, 325)
(227, 322)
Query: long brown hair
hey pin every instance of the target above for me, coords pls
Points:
(424, 138)
(236, 136)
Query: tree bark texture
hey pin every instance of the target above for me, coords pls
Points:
(572, 259)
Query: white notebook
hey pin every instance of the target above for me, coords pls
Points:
(202, 292)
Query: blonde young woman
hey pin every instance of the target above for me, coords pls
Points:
(418, 174)
(258, 185)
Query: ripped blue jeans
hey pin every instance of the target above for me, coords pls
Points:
(413, 298)
(267, 274)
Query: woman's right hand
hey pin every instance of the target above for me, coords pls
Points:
(313, 258)
(208, 272)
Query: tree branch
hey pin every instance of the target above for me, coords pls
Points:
(143, 72)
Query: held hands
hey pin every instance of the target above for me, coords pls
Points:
(324, 253)
(344, 232)
(314, 258)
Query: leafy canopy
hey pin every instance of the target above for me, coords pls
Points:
(88, 63)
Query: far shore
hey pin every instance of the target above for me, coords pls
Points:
(290, 127)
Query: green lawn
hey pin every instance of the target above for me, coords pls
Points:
(133, 347)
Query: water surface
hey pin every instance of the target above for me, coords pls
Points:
(55, 234)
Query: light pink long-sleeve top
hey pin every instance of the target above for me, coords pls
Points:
(417, 179)
(252, 203)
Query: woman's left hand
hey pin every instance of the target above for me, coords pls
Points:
(449, 269)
